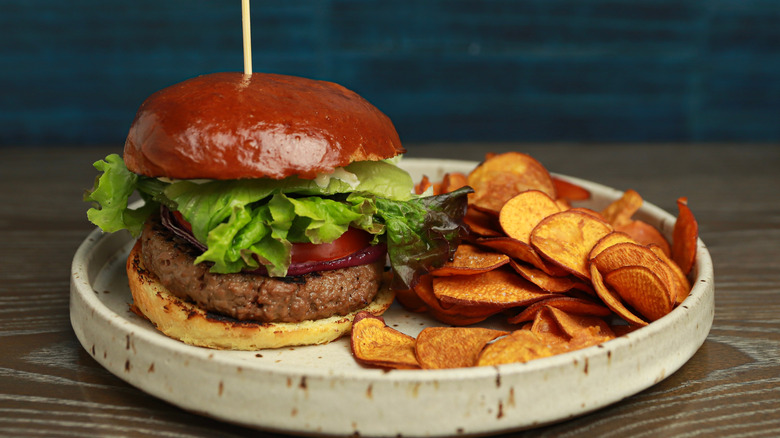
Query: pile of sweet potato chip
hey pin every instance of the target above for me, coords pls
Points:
(565, 277)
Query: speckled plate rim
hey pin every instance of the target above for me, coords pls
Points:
(345, 399)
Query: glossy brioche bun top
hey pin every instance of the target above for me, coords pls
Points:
(232, 126)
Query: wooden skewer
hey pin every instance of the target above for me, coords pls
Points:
(247, 37)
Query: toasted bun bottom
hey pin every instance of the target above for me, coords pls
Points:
(184, 321)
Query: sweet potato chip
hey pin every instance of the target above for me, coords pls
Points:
(572, 305)
(547, 329)
(458, 320)
(625, 254)
(572, 272)
(469, 260)
(518, 346)
(534, 174)
(642, 289)
(453, 181)
(376, 344)
(569, 191)
(545, 281)
(645, 234)
(589, 212)
(502, 176)
(633, 254)
(588, 339)
(582, 326)
(452, 347)
(612, 299)
(482, 224)
(410, 301)
(423, 185)
(491, 194)
(566, 332)
(523, 212)
(680, 283)
(563, 204)
(610, 239)
(500, 287)
(566, 238)
(453, 314)
(520, 251)
(619, 212)
(684, 237)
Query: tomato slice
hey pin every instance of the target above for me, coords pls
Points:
(182, 222)
(353, 240)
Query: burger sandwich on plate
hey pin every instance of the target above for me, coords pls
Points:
(271, 205)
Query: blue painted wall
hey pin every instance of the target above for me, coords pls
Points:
(74, 72)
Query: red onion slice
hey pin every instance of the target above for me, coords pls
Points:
(369, 254)
(170, 222)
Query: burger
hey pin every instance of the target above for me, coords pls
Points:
(271, 211)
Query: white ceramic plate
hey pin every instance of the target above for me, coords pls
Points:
(322, 390)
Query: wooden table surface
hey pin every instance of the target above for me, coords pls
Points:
(50, 386)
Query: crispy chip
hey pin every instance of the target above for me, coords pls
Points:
(499, 287)
(376, 344)
(481, 223)
(680, 283)
(522, 213)
(612, 299)
(564, 332)
(619, 212)
(534, 174)
(646, 234)
(491, 194)
(547, 329)
(457, 319)
(642, 289)
(610, 239)
(452, 347)
(572, 272)
(423, 185)
(410, 301)
(684, 237)
(469, 260)
(453, 181)
(588, 339)
(563, 204)
(582, 326)
(453, 314)
(572, 305)
(633, 254)
(569, 191)
(589, 212)
(545, 281)
(518, 346)
(624, 254)
(500, 177)
(566, 238)
(520, 251)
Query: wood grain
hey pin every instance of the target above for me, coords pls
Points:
(50, 386)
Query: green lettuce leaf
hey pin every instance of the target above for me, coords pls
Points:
(111, 195)
(284, 220)
(422, 233)
(246, 224)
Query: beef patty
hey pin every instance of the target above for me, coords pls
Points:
(245, 296)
